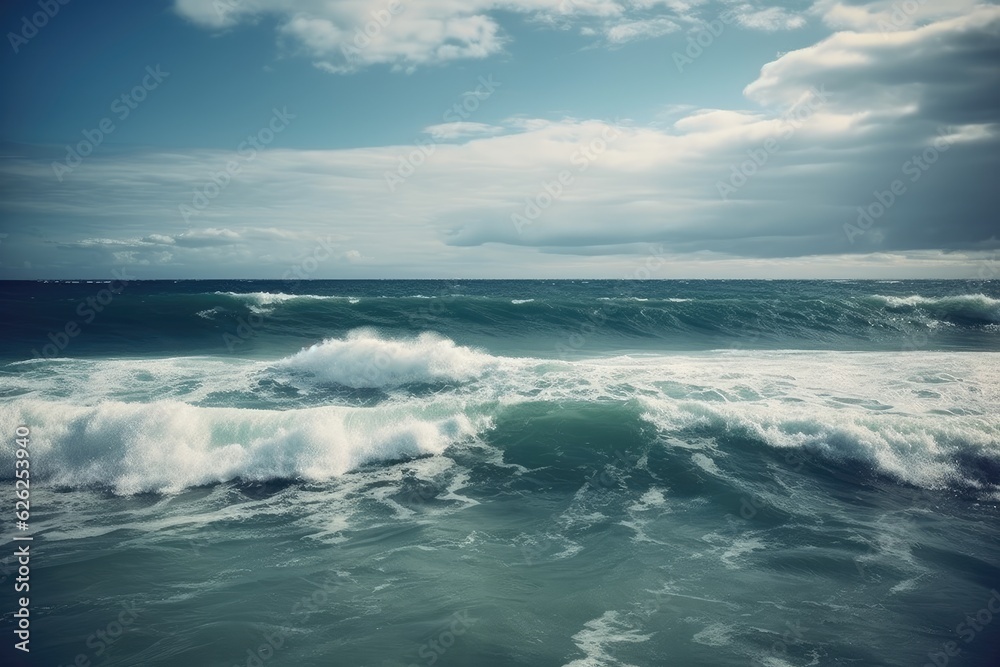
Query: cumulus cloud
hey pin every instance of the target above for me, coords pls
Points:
(947, 68)
(345, 36)
(836, 123)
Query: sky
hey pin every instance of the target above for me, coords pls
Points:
(499, 139)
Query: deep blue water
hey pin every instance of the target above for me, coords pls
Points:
(581, 473)
(539, 317)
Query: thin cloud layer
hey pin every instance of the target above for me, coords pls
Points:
(346, 36)
(889, 15)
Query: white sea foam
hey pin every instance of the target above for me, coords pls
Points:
(653, 499)
(365, 359)
(598, 636)
(975, 306)
(640, 299)
(714, 634)
(272, 298)
(167, 446)
(208, 314)
(927, 450)
(928, 418)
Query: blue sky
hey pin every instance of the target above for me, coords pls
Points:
(524, 138)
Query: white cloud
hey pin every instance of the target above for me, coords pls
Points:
(630, 31)
(193, 245)
(889, 15)
(770, 19)
(347, 35)
(886, 70)
(457, 130)
(704, 120)
(630, 185)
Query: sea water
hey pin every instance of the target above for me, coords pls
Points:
(585, 473)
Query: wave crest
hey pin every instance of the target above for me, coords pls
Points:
(168, 446)
(925, 451)
(363, 359)
(969, 307)
(272, 298)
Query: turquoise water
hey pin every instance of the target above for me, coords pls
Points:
(489, 473)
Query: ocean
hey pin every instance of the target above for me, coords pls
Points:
(483, 473)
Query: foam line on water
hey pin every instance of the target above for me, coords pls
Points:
(271, 298)
(168, 446)
(927, 419)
